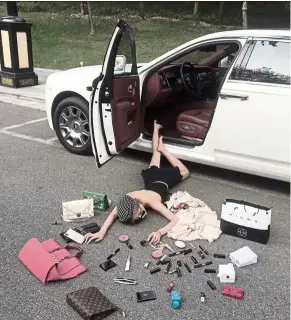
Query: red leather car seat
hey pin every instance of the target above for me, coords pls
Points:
(193, 123)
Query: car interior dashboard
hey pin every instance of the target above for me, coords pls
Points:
(168, 82)
(182, 80)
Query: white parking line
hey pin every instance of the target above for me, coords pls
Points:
(52, 139)
(22, 136)
(23, 124)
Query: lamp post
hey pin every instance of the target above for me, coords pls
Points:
(16, 50)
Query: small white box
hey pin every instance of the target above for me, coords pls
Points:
(226, 273)
(243, 257)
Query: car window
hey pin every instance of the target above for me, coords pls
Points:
(227, 61)
(196, 56)
(211, 55)
(124, 57)
(269, 62)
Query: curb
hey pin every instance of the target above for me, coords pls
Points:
(22, 97)
(34, 94)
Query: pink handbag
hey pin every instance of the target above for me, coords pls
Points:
(49, 261)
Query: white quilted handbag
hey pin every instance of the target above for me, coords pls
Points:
(78, 210)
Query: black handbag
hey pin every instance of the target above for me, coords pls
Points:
(91, 304)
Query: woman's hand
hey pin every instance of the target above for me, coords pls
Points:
(154, 237)
(98, 236)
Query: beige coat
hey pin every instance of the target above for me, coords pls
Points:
(196, 222)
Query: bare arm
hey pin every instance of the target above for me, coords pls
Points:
(159, 207)
(98, 236)
(110, 219)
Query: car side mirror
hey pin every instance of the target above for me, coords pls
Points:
(120, 64)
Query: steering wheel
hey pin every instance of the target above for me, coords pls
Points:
(190, 78)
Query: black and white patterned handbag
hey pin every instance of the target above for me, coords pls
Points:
(246, 220)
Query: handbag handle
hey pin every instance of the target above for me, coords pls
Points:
(76, 255)
(95, 198)
(247, 211)
(68, 247)
(254, 213)
(79, 249)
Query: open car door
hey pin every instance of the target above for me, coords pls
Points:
(115, 108)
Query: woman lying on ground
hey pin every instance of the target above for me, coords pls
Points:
(158, 181)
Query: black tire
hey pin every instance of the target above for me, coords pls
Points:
(72, 107)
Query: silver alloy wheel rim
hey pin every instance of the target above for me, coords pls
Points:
(74, 127)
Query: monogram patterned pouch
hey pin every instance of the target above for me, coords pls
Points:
(91, 304)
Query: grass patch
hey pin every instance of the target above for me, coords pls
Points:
(62, 41)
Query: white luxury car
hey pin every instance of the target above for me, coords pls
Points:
(223, 100)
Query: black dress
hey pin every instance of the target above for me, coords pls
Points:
(161, 180)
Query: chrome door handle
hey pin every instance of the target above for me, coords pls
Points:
(130, 88)
(232, 96)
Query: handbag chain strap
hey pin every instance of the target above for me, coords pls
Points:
(66, 257)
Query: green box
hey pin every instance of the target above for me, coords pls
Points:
(101, 201)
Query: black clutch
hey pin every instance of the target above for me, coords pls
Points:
(86, 228)
(90, 227)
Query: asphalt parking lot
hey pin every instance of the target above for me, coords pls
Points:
(37, 174)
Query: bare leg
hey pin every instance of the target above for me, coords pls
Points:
(156, 157)
(175, 162)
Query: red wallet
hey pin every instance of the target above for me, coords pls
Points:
(233, 292)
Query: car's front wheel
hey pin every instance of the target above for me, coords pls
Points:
(71, 123)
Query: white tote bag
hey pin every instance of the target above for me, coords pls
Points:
(245, 220)
(78, 210)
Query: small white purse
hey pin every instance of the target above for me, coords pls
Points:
(78, 210)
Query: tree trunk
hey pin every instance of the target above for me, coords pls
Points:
(141, 10)
(245, 14)
(220, 11)
(195, 9)
(92, 31)
(82, 8)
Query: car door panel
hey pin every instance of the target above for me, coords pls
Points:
(98, 141)
(115, 115)
(126, 112)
